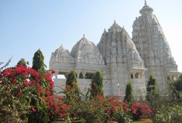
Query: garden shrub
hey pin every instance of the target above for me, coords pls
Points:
(97, 85)
(140, 110)
(171, 114)
(19, 91)
(129, 92)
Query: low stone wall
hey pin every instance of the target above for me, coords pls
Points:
(84, 84)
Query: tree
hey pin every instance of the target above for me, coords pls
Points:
(129, 92)
(154, 100)
(152, 92)
(176, 89)
(178, 83)
(38, 61)
(151, 85)
(72, 89)
(97, 85)
(38, 65)
(23, 62)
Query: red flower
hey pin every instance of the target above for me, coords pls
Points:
(51, 85)
(19, 94)
(48, 92)
(20, 113)
(94, 84)
(26, 83)
(7, 72)
(13, 81)
(73, 83)
(53, 71)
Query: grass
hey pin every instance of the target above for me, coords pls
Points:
(143, 121)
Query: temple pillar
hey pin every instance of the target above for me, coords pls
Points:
(77, 74)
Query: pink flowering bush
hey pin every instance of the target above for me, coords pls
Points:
(57, 109)
(27, 96)
(140, 110)
(97, 109)
(18, 86)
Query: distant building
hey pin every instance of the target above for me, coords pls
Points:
(120, 58)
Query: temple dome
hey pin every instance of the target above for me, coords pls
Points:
(86, 51)
(61, 55)
(115, 27)
(61, 51)
(146, 9)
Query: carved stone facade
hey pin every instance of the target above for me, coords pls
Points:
(120, 58)
(153, 47)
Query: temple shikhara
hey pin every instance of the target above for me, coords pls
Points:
(120, 58)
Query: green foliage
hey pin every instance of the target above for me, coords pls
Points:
(13, 106)
(178, 84)
(72, 84)
(72, 79)
(129, 92)
(90, 111)
(40, 116)
(97, 85)
(38, 61)
(173, 94)
(154, 100)
(151, 85)
(16, 91)
(23, 62)
(7, 63)
(169, 114)
(152, 92)
(175, 89)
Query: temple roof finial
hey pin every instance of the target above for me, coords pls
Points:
(83, 35)
(104, 30)
(145, 3)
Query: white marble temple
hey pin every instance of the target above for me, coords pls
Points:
(120, 58)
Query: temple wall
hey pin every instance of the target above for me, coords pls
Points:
(84, 84)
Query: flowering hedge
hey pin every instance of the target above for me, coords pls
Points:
(27, 96)
(19, 86)
(140, 110)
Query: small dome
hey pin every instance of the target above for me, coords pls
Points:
(146, 9)
(85, 51)
(61, 51)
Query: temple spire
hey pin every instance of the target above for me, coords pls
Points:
(114, 21)
(145, 3)
(83, 35)
(104, 30)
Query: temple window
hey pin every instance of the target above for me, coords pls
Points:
(81, 75)
(131, 76)
(89, 75)
(174, 77)
(137, 75)
(168, 78)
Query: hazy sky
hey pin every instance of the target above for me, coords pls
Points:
(27, 25)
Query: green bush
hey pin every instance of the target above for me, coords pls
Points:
(129, 92)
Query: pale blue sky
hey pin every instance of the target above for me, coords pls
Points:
(27, 25)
